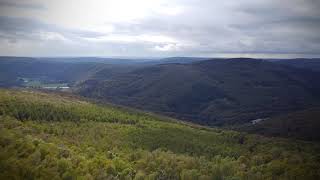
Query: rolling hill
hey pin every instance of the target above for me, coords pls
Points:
(213, 92)
(72, 70)
(60, 136)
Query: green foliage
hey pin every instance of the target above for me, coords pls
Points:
(302, 125)
(87, 141)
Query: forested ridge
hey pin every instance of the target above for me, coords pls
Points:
(216, 92)
(52, 136)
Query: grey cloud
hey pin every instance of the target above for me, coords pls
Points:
(273, 28)
(15, 29)
(19, 5)
(205, 27)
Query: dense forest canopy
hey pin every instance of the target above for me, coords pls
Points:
(52, 136)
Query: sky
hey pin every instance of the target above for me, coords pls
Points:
(160, 28)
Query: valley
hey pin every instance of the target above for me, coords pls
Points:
(229, 93)
(159, 90)
(204, 119)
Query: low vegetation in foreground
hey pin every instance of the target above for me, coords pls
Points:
(50, 136)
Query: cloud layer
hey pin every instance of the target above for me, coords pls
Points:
(266, 28)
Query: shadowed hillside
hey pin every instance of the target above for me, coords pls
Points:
(303, 125)
(312, 64)
(214, 92)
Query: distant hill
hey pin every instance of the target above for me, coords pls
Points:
(108, 60)
(13, 68)
(214, 92)
(74, 69)
(303, 125)
(180, 60)
(312, 64)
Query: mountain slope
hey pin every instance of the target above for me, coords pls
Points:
(312, 64)
(55, 136)
(303, 125)
(214, 92)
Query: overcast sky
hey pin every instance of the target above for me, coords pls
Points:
(145, 28)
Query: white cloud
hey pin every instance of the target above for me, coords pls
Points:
(132, 39)
(167, 47)
(52, 36)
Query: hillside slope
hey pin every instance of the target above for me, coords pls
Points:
(311, 64)
(54, 136)
(214, 92)
(303, 125)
